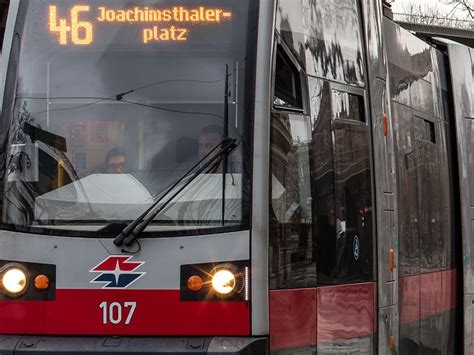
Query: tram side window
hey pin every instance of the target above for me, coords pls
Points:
(342, 185)
(353, 189)
(292, 252)
(325, 36)
(323, 181)
(288, 83)
(348, 106)
(430, 192)
(321, 207)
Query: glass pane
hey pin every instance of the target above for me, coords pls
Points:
(292, 253)
(323, 180)
(347, 106)
(107, 111)
(430, 193)
(287, 83)
(353, 207)
(326, 36)
(353, 188)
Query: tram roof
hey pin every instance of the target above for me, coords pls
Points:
(460, 35)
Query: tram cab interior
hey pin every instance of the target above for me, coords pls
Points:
(72, 105)
(155, 153)
(80, 104)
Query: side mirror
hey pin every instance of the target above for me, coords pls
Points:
(23, 163)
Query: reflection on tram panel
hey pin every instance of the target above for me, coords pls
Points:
(240, 176)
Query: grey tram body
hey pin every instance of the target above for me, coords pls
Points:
(381, 37)
(462, 71)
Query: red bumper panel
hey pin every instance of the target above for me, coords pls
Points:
(124, 312)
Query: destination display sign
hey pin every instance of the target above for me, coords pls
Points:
(80, 25)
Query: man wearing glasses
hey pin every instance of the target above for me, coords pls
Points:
(115, 161)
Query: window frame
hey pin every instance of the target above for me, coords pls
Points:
(426, 117)
(363, 92)
(279, 44)
(357, 92)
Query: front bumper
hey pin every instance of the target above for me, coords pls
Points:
(17, 344)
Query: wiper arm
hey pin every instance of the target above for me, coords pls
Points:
(132, 231)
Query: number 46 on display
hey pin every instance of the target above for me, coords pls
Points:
(81, 31)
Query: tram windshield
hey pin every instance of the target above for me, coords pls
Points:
(107, 104)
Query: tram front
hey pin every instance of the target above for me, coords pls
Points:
(125, 176)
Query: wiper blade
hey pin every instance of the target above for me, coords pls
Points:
(133, 230)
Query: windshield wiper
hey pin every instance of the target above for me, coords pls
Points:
(209, 162)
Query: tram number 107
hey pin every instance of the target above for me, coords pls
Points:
(115, 312)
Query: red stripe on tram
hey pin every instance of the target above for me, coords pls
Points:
(425, 295)
(157, 312)
(306, 317)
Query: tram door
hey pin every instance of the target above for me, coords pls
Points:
(461, 64)
(427, 238)
(322, 287)
(352, 184)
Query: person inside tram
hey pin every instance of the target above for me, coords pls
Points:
(115, 161)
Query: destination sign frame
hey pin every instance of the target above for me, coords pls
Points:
(78, 24)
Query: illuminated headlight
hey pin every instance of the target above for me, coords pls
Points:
(14, 281)
(223, 282)
(226, 281)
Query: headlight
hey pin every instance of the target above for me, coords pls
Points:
(14, 281)
(223, 282)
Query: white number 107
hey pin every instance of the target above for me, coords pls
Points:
(112, 313)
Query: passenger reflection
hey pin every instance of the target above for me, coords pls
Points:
(115, 161)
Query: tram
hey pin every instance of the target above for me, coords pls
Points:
(245, 177)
